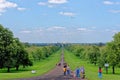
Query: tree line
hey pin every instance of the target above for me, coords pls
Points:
(99, 55)
(37, 53)
(14, 53)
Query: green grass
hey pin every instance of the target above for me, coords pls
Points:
(91, 71)
(41, 67)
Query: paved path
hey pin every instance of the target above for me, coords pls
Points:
(55, 74)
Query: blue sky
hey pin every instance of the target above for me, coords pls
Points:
(76, 21)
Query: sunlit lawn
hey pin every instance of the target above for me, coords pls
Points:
(91, 71)
(41, 68)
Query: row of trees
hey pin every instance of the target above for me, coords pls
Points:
(109, 53)
(36, 53)
(12, 51)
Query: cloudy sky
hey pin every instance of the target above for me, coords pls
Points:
(79, 21)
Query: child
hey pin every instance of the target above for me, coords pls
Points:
(100, 73)
(64, 70)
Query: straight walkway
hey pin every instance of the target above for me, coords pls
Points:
(55, 74)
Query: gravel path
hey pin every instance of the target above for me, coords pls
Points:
(55, 74)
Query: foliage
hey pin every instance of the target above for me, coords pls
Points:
(93, 54)
(37, 53)
(91, 71)
(113, 50)
(12, 53)
(41, 67)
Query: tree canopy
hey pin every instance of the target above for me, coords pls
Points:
(12, 52)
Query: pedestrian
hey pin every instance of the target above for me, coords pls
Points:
(82, 70)
(100, 73)
(68, 70)
(74, 74)
(77, 71)
(65, 69)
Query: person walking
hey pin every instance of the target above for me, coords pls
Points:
(82, 70)
(100, 73)
(68, 70)
(65, 69)
(77, 71)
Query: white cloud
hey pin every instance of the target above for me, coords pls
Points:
(42, 3)
(67, 14)
(38, 30)
(112, 30)
(57, 1)
(108, 3)
(82, 29)
(25, 31)
(56, 28)
(21, 9)
(115, 11)
(111, 3)
(52, 3)
(6, 4)
(46, 4)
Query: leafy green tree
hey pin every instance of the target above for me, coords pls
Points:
(1, 47)
(12, 53)
(6, 39)
(21, 55)
(103, 56)
(45, 52)
(113, 49)
(94, 54)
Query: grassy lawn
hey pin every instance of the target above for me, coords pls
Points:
(91, 70)
(41, 67)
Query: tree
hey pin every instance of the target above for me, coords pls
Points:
(103, 56)
(113, 49)
(20, 55)
(93, 54)
(6, 39)
(12, 53)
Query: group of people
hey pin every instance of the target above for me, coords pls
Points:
(78, 73)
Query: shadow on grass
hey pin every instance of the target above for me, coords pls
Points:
(110, 73)
(14, 70)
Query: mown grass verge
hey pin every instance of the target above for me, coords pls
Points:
(40, 67)
(91, 71)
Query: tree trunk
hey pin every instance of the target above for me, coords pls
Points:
(23, 66)
(17, 67)
(113, 69)
(95, 63)
(8, 69)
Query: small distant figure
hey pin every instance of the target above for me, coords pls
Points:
(59, 64)
(77, 71)
(68, 70)
(64, 70)
(100, 73)
(82, 70)
(65, 64)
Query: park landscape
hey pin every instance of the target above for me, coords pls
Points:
(17, 59)
(38, 38)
